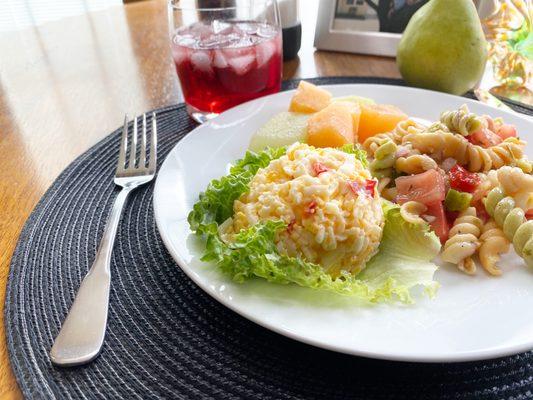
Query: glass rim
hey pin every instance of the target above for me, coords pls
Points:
(190, 8)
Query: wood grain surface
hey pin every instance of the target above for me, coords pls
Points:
(66, 84)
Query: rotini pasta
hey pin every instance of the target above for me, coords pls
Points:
(493, 243)
(415, 164)
(462, 121)
(411, 212)
(389, 193)
(463, 241)
(384, 158)
(403, 128)
(513, 222)
(517, 184)
(441, 145)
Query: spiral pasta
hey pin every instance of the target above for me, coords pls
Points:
(461, 121)
(493, 243)
(384, 158)
(415, 164)
(463, 241)
(441, 145)
(403, 128)
(513, 222)
(411, 211)
(517, 184)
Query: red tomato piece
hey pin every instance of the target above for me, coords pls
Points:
(438, 223)
(311, 208)
(463, 180)
(319, 168)
(427, 187)
(370, 187)
(529, 214)
(484, 137)
(507, 131)
(481, 211)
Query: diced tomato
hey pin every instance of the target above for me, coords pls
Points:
(529, 214)
(427, 187)
(463, 180)
(481, 211)
(451, 216)
(484, 137)
(311, 208)
(319, 168)
(370, 187)
(507, 131)
(439, 223)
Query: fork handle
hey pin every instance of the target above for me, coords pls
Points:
(82, 334)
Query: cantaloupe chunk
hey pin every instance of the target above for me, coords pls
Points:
(378, 118)
(334, 126)
(309, 98)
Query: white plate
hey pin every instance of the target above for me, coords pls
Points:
(471, 318)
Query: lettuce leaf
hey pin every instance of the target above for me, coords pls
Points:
(402, 262)
(357, 151)
(216, 203)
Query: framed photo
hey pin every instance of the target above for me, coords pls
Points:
(364, 26)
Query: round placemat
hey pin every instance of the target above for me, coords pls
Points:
(166, 338)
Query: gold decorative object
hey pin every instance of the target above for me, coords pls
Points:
(509, 32)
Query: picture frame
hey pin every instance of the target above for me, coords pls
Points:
(354, 26)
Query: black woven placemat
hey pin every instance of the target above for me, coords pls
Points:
(166, 338)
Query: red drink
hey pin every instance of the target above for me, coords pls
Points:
(222, 64)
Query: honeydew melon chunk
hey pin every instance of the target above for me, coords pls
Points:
(354, 99)
(282, 129)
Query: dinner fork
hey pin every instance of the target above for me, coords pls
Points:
(82, 334)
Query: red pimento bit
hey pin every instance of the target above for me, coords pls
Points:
(462, 180)
(368, 187)
(290, 226)
(319, 168)
(311, 208)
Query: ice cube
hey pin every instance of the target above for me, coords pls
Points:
(219, 60)
(246, 27)
(200, 30)
(221, 27)
(267, 31)
(201, 61)
(264, 52)
(185, 40)
(179, 54)
(242, 64)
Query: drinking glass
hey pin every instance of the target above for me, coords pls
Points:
(226, 52)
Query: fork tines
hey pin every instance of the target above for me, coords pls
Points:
(137, 161)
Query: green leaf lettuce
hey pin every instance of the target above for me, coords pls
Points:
(402, 262)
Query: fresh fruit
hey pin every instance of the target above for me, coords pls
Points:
(437, 220)
(355, 99)
(426, 188)
(463, 180)
(443, 47)
(378, 118)
(281, 130)
(334, 126)
(309, 98)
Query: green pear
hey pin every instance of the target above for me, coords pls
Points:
(443, 47)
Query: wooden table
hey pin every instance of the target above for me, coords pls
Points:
(66, 84)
